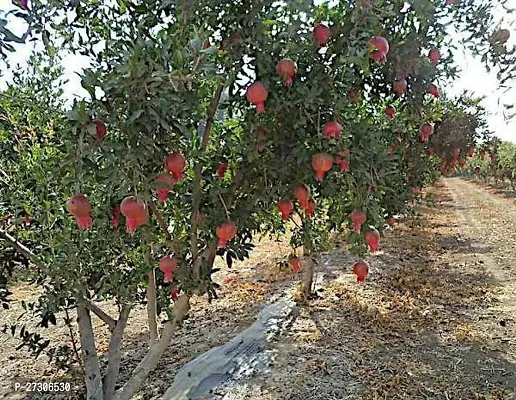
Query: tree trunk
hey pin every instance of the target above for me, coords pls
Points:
(308, 277)
(151, 359)
(93, 377)
(152, 309)
(114, 354)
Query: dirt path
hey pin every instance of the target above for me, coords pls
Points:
(435, 320)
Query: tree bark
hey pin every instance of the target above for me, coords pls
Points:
(152, 309)
(92, 377)
(114, 355)
(151, 359)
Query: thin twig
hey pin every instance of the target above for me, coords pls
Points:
(72, 337)
(224, 205)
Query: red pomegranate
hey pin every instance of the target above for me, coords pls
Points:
(310, 210)
(174, 294)
(321, 163)
(379, 46)
(434, 56)
(372, 237)
(135, 212)
(100, 128)
(343, 159)
(285, 207)
(361, 269)
(462, 162)
(390, 112)
(358, 218)
(332, 129)
(399, 86)
(222, 168)
(225, 232)
(302, 193)
(167, 265)
(115, 216)
(286, 68)
(434, 91)
(166, 182)
(425, 131)
(79, 206)
(175, 164)
(295, 263)
(321, 34)
(257, 94)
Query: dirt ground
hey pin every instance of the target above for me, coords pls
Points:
(436, 318)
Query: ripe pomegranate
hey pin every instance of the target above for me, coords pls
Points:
(100, 128)
(400, 86)
(115, 216)
(175, 164)
(390, 111)
(332, 129)
(295, 263)
(225, 232)
(425, 131)
(285, 207)
(174, 294)
(434, 91)
(372, 237)
(135, 212)
(167, 265)
(358, 218)
(321, 163)
(286, 68)
(434, 56)
(380, 48)
(302, 193)
(361, 269)
(430, 151)
(310, 210)
(166, 182)
(257, 94)
(79, 206)
(222, 168)
(462, 162)
(321, 34)
(343, 160)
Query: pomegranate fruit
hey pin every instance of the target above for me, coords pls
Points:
(343, 160)
(372, 237)
(175, 164)
(358, 218)
(285, 207)
(462, 162)
(310, 210)
(295, 264)
(302, 193)
(425, 131)
(434, 91)
(135, 212)
(332, 129)
(100, 128)
(361, 269)
(79, 206)
(379, 46)
(321, 34)
(167, 265)
(257, 94)
(390, 112)
(434, 56)
(321, 163)
(400, 86)
(225, 232)
(166, 182)
(222, 168)
(286, 68)
(174, 294)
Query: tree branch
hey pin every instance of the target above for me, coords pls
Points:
(196, 190)
(151, 359)
(81, 300)
(114, 356)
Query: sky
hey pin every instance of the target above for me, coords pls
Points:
(473, 76)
